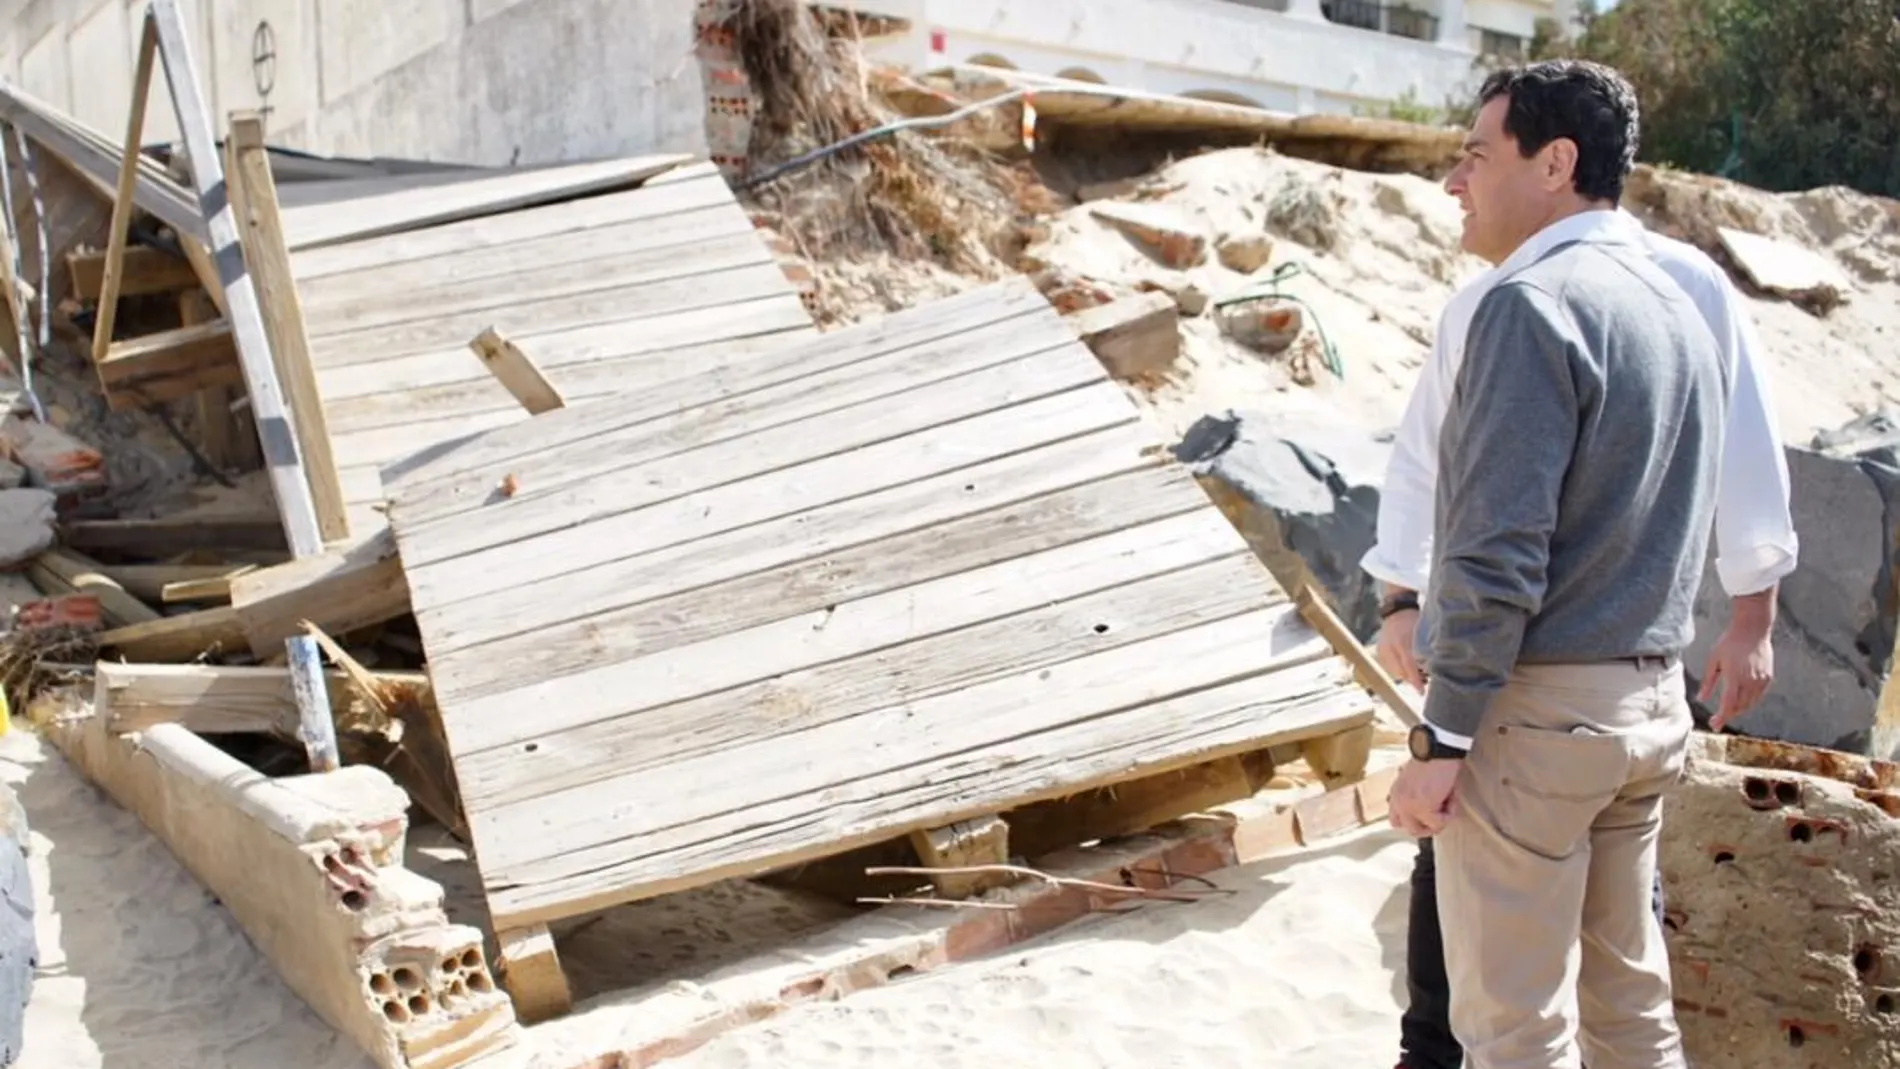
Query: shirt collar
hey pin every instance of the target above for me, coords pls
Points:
(1595, 225)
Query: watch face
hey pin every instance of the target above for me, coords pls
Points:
(1420, 742)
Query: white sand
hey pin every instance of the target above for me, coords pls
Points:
(140, 968)
(1302, 968)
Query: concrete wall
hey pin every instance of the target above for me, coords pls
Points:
(474, 81)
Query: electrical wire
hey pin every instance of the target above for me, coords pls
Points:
(919, 123)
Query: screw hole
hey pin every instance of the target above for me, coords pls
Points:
(531, 747)
(1101, 629)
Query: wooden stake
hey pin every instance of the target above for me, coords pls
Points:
(517, 372)
(1320, 616)
(123, 201)
(282, 458)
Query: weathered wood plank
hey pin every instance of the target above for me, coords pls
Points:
(724, 281)
(412, 299)
(185, 637)
(760, 396)
(211, 699)
(170, 364)
(1151, 733)
(315, 267)
(787, 646)
(144, 270)
(517, 372)
(1151, 602)
(166, 537)
(339, 590)
(787, 468)
(778, 579)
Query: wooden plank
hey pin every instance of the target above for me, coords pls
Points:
(223, 434)
(282, 459)
(83, 575)
(169, 537)
(703, 283)
(966, 844)
(839, 455)
(148, 581)
(531, 970)
(1136, 805)
(340, 590)
(127, 188)
(434, 392)
(779, 579)
(156, 368)
(269, 263)
(1372, 675)
(206, 588)
(186, 637)
(143, 270)
(485, 194)
(780, 660)
(212, 699)
(1152, 732)
(1339, 760)
(318, 269)
(804, 380)
(1154, 601)
(647, 249)
(517, 372)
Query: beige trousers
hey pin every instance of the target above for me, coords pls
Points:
(1545, 871)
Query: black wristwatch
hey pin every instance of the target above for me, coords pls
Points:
(1394, 603)
(1426, 746)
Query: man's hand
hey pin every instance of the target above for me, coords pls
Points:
(1742, 664)
(1423, 797)
(1395, 648)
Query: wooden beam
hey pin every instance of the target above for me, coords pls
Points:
(1315, 611)
(176, 639)
(149, 581)
(340, 591)
(1137, 805)
(282, 457)
(210, 699)
(80, 574)
(203, 588)
(269, 260)
(218, 426)
(123, 200)
(142, 270)
(531, 971)
(1339, 760)
(965, 844)
(168, 537)
(517, 372)
(169, 365)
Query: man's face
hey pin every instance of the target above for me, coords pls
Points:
(1504, 195)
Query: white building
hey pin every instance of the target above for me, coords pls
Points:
(1300, 56)
(490, 81)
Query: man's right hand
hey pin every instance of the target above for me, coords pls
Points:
(1395, 651)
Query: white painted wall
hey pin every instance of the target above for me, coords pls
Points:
(475, 81)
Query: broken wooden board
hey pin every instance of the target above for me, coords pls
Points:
(633, 289)
(919, 571)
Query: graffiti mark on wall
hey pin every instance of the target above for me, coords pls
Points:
(264, 66)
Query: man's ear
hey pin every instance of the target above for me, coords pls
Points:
(1559, 164)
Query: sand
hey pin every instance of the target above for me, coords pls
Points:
(1301, 966)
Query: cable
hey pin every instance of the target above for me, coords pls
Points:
(1273, 293)
(923, 122)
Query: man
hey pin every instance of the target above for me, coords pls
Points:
(1756, 544)
(1580, 456)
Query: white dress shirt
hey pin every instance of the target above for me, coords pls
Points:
(1754, 532)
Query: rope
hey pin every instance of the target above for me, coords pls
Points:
(1273, 292)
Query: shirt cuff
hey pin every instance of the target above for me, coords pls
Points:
(1756, 568)
(1454, 713)
(1390, 572)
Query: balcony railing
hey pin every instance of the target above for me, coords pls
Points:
(1398, 20)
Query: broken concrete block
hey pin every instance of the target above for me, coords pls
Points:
(1786, 269)
(1069, 292)
(53, 459)
(27, 517)
(1134, 336)
(1245, 253)
(1167, 234)
(1190, 299)
(1265, 326)
(1305, 496)
(1783, 921)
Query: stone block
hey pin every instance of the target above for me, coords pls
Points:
(1168, 235)
(1133, 337)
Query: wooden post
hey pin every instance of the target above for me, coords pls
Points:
(255, 199)
(282, 459)
(517, 372)
(123, 201)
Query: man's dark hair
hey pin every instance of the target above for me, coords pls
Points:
(1590, 104)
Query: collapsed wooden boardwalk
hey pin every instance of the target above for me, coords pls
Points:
(605, 292)
(913, 572)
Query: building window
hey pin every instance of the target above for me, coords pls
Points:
(1399, 20)
(1501, 45)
